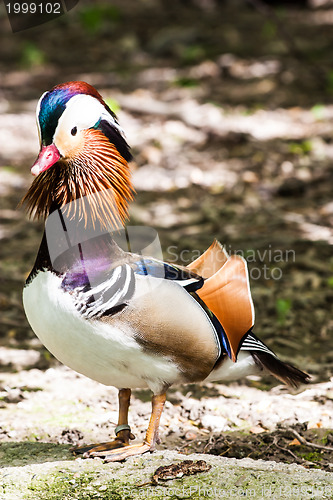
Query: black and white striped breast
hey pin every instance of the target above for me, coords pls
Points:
(102, 294)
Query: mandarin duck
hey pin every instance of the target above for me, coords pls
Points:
(118, 317)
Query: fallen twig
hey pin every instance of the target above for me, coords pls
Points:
(298, 459)
(302, 440)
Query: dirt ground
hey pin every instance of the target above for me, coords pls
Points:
(229, 114)
(247, 420)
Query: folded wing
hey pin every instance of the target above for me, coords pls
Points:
(226, 292)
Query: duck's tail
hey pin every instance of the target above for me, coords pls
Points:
(288, 374)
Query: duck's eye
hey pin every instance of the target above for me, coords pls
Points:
(74, 131)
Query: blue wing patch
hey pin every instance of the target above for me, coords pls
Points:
(158, 269)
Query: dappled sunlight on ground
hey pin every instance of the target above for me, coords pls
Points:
(231, 131)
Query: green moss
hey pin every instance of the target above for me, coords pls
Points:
(300, 148)
(29, 452)
(283, 307)
(32, 55)
(69, 485)
(324, 439)
(191, 53)
(330, 281)
(318, 111)
(186, 82)
(94, 18)
(313, 456)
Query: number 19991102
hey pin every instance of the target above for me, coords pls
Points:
(34, 8)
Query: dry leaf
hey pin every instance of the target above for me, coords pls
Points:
(189, 436)
(314, 425)
(294, 442)
(257, 429)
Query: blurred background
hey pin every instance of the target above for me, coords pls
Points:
(228, 108)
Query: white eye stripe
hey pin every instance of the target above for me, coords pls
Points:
(37, 117)
(84, 111)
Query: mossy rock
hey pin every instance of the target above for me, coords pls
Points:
(92, 479)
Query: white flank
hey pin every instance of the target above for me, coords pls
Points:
(103, 352)
(230, 371)
(108, 352)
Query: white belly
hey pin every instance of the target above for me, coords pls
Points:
(230, 371)
(106, 353)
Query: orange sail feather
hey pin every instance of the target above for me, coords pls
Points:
(226, 292)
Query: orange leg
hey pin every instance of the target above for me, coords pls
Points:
(123, 430)
(116, 455)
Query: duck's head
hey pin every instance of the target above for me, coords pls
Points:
(83, 152)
